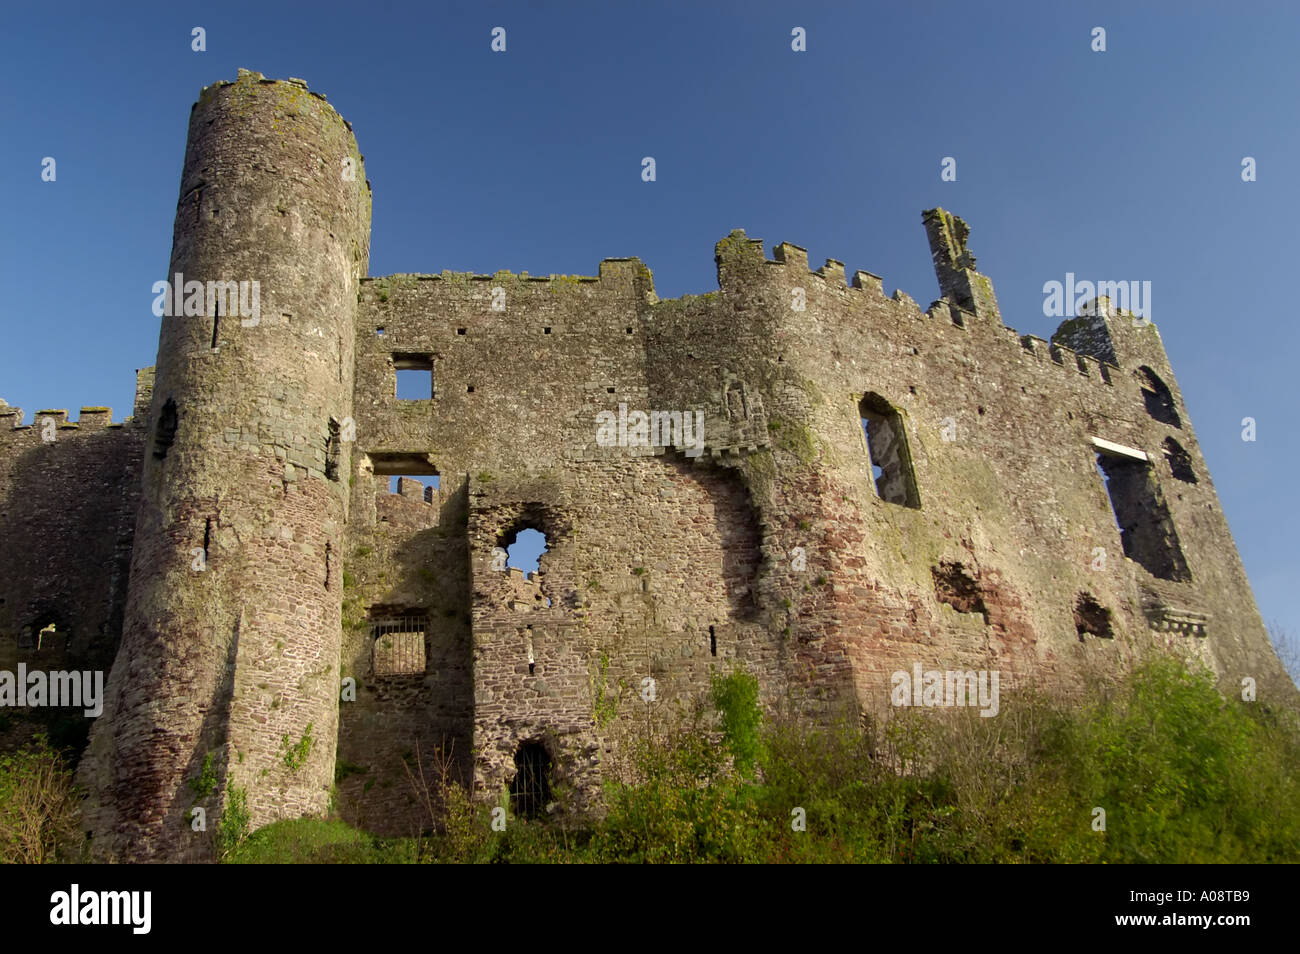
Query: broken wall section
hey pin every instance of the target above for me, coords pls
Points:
(650, 570)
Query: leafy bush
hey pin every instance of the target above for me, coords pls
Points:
(687, 806)
(232, 829)
(735, 696)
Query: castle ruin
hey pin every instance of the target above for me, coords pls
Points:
(868, 486)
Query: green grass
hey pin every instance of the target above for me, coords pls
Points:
(316, 841)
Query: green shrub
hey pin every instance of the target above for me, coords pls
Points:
(39, 818)
(686, 807)
(232, 829)
(735, 696)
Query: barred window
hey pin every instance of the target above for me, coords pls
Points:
(530, 792)
(397, 646)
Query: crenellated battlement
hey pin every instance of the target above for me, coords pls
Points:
(500, 290)
(616, 270)
(89, 419)
(743, 268)
(955, 269)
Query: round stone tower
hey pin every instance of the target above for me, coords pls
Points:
(224, 695)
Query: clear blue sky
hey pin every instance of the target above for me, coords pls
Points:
(1123, 164)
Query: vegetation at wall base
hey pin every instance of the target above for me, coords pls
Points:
(1181, 774)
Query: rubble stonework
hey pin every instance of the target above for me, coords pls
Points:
(249, 499)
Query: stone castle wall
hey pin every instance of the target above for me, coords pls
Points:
(68, 497)
(968, 527)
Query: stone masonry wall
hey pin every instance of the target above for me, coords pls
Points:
(68, 495)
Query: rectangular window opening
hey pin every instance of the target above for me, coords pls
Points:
(886, 445)
(414, 376)
(397, 646)
(416, 485)
(1146, 530)
(410, 475)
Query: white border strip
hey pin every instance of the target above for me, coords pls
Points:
(1113, 448)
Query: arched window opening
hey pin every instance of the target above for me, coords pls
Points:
(886, 441)
(524, 553)
(42, 634)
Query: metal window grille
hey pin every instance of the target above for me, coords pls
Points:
(398, 646)
(530, 792)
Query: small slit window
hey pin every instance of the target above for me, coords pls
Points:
(333, 450)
